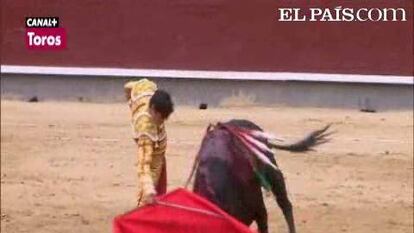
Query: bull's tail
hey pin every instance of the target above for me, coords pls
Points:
(197, 159)
(311, 140)
(193, 169)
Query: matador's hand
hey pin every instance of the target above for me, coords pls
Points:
(150, 199)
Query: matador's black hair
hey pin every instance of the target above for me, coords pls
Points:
(162, 103)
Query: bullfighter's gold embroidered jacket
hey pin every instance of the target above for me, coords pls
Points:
(151, 139)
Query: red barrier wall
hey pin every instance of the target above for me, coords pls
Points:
(242, 35)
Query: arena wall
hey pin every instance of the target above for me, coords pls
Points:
(330, 64)
(214, 92)
(235, 35)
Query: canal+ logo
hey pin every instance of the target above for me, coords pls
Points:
(44, 33)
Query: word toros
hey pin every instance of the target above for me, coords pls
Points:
(43, 40)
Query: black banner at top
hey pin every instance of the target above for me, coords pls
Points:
(42, 22)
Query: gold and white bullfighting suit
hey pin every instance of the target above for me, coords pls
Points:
(151, 140)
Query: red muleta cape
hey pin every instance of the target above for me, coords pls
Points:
(179, 211)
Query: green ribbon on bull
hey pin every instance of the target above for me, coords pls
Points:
(263, 180)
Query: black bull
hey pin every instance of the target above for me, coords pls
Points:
(227, 179)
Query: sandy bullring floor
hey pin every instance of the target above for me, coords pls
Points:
(69, 167)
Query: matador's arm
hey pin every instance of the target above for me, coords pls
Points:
(145, 153)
